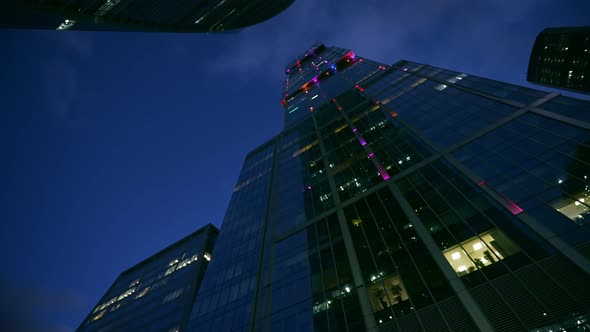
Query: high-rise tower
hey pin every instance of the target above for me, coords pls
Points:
(407, 198)
(561, 58)
(157, 294)
(139, 15)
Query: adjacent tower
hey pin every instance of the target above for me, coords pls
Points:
(561, 58)
(139, 15)
(407, 198)
(157, 294)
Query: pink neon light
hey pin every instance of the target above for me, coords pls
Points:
(512, 207)
(354, 130)
(382, 171)
(482, 183)
(308, 187)
(371, 155)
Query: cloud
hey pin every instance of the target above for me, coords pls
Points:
(420, 30)
(29, 309)
(61, 85)
(59, 72)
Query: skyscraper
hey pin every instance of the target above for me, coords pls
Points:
(561, 58)
(139, 15)
(158, 293)
(406, 198)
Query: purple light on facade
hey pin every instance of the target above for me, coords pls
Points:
(384, 175)
(371, 155)
(315, 79)
(308, 187)
(362, 140)
(352, 55)
(354, 130)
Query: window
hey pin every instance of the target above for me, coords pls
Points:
(387, 292)
(576, 209)
(479, 251)
(99, 315)
(173, 295)
(143, 292)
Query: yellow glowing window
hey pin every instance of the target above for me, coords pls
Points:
(479, 251)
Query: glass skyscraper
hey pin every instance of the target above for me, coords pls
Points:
(407, 197)
(156, 295)
(561, 58)
(139, 15)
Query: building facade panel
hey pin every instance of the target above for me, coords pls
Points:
(410, 198)
(157, 294)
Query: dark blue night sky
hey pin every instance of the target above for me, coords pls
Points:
(115, 145)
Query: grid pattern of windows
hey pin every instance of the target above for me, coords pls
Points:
(140, 15)
(224, 302)
(157, 294)
(540, 164)
(400, 199)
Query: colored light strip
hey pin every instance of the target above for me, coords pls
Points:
(508, 204)
(362, 140)
(293, 110)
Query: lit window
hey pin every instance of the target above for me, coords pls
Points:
(440, 87)
(143, 292)
(387, 292)
(99, 315)
(207, 256)
(575, 209)
(66, 24)
(186, 262)
(478, 252)
(127, 293)
(170, 270)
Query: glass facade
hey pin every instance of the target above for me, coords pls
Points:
(157, 294)
(138, 15)
(406, 198)
(561, 58)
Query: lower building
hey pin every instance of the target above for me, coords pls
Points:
(157, 294)
(407, 197)
(560, 58)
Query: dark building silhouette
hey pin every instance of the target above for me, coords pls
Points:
(157, 294)
(406, 197)
(139, 15)
(561, 58)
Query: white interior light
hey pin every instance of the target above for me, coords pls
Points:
(477, 246)
(456, 255)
